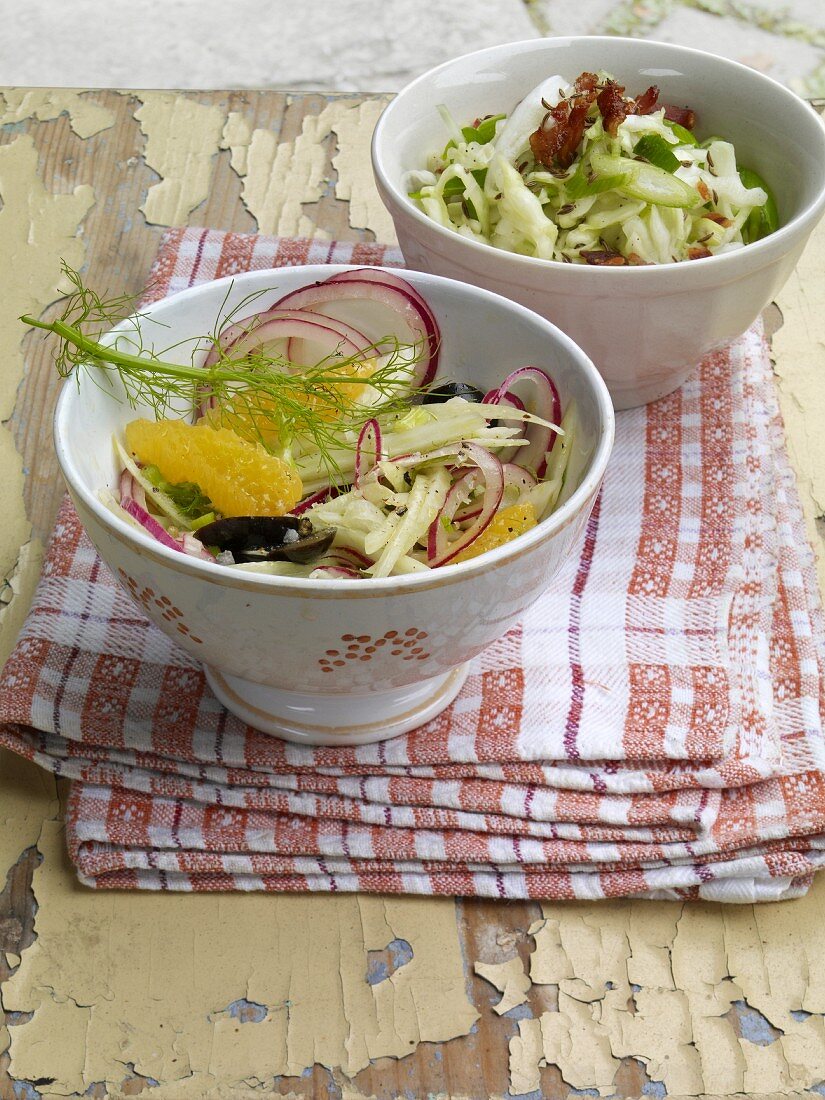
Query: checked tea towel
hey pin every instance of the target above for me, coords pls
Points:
(652, 728)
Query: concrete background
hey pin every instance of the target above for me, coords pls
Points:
(368, 45)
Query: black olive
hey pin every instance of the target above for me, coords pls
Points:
(445, 390)
(267, 538)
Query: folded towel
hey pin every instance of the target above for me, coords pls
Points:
(653, 726)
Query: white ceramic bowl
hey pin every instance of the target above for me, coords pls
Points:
(645, 328)
(339, 661)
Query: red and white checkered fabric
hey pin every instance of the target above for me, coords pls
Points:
(653, 727)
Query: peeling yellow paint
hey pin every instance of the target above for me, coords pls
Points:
(526, 1057)
(509, 979)
(86, 117)
(37, 230)
(280, 178)
(355, 182)
(28, 795)
(302, 957)
(672, 986)
(237, 135)
(21, 582)
(182, 139)
(797, 348)
(59, 1028)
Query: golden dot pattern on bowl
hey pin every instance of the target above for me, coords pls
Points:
(406, 644)
(162, 605)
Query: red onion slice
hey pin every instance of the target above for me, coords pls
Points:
(328, 493)
(320, 298)
(514, 475)
(133, 502)
(368, 451)
(349, 556)
(149, 523)
(131, 489)
(389, 278)
(547, 406)
(439, 550)
(279, 324)
(340, 572)
(506, 454)
(193, 546)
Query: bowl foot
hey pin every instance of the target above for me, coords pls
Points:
(314, 719)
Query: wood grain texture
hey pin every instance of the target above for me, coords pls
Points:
(120, 246)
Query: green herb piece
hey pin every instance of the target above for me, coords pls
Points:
(646, 182)
(685, 136)
(654, 149)
(186, 495)
(202, 521)
(583, 183)
(762, 220)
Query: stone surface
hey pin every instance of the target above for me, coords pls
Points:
(368, 45)
(560, 17)
(784, 58)
(344, 46)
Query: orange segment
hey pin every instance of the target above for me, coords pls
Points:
(239, 477)
(504, 526)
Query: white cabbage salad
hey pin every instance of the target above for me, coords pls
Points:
(582, 173)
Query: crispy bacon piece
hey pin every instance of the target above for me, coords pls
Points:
(603, 257)
(698, 252)
(683, 116)
(585, 82)
(645, 103)
(613, 107)
(557, 140)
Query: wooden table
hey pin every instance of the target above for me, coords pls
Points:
(227, 995)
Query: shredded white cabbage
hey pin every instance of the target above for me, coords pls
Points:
(614, 203)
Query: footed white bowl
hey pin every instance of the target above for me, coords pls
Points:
(339, 661)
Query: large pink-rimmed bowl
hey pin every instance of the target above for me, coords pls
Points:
(338, 661)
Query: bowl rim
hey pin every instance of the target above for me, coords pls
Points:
(724, 264)
(368, 586)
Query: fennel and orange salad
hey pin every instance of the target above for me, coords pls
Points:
(319, 440)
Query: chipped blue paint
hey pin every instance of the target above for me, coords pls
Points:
(755, 1027)
(379, 968)
(654, 1088)
(818, 1088)
(536, 1094)
(24, 1090)
(13, 1018)
(248, 1012)
(583, 1092)
(800, 1015)
(14, 127)
(518, 1012)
